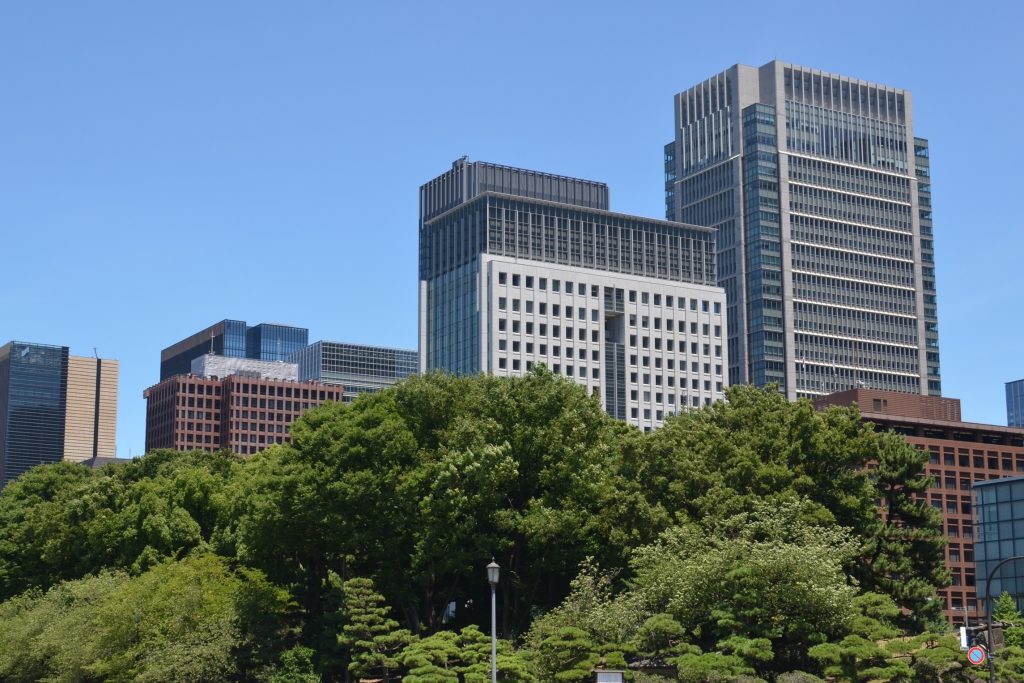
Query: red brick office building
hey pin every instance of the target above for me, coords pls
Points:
(959, 454)
(241, 413)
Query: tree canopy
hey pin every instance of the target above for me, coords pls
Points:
(741, 541)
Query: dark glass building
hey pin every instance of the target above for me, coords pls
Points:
(33, 397)
(1015, 403)
(270, 341)
(999, 507)
(234, 339)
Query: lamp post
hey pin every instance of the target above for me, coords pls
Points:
(493, 570)
(988, 613)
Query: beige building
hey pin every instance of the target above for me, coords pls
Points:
(90, 422)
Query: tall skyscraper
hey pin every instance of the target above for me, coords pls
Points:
(234, 339)
(359, 369)
(820, 194)
(1015, 403)
(90, 425)
(53, 407)
(519, 267)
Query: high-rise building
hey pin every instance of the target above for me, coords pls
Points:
(359, 369)
(234, 339)
(960, 454)
(821, 197)
(53, 407)
(519, 268)
(90, 425)
(246, 411)
(1015, 403)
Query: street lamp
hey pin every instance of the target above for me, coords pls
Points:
(493, 570)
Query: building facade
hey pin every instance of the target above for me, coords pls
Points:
(999, 511)
(1015, 403)
(821, 197)
(960, 455)
(90, 423)
(233, 339)
(242, 413)
(359, 369)
(519, 268)
(53, 407)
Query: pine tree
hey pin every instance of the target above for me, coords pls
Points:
(373, 639)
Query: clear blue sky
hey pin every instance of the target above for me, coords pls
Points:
(164, 165)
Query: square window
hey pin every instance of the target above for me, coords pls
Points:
(502, 303)
(515, 326)
(594, 291)
(502, 278)
(502, 345)
(542, 308)
(632, 296)
(704, 306)
(529, 306)
(529, 282)
(581, 289)
(644, 297)
(668, 300)
(515, 363)
(515, 279)
(501, 363)
(515, 305)
(657, 299)
(543, 284)
(529, 328)
(718, 307)
(543, 330)
(555, 286)
(501, 324)
(555, 309)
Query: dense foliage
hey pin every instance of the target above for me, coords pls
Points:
(741, 542)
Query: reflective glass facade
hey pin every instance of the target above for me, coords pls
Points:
(234, 339)
(1015, 403)
(33, 394)
(999, 535)
(268, 341)
(358, 369)
(821, 196)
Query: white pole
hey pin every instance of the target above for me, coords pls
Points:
(494, 636)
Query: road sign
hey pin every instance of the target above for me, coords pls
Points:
(977, 655)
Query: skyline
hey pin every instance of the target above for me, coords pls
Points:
(161, 155)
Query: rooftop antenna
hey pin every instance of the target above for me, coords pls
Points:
(211, 343)
(95, 354)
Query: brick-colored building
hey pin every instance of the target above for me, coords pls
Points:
(959, 454)
(242, 413)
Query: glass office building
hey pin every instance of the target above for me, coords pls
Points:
(1015, 403)
(820, 193)
(33, 396)
(270, 341)
(357, 368)
(999, 535)
(234, 339)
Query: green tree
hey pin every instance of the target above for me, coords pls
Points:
(416, 486)
(373, 639)
(188, 620)
(64, 521)
(720, 461)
